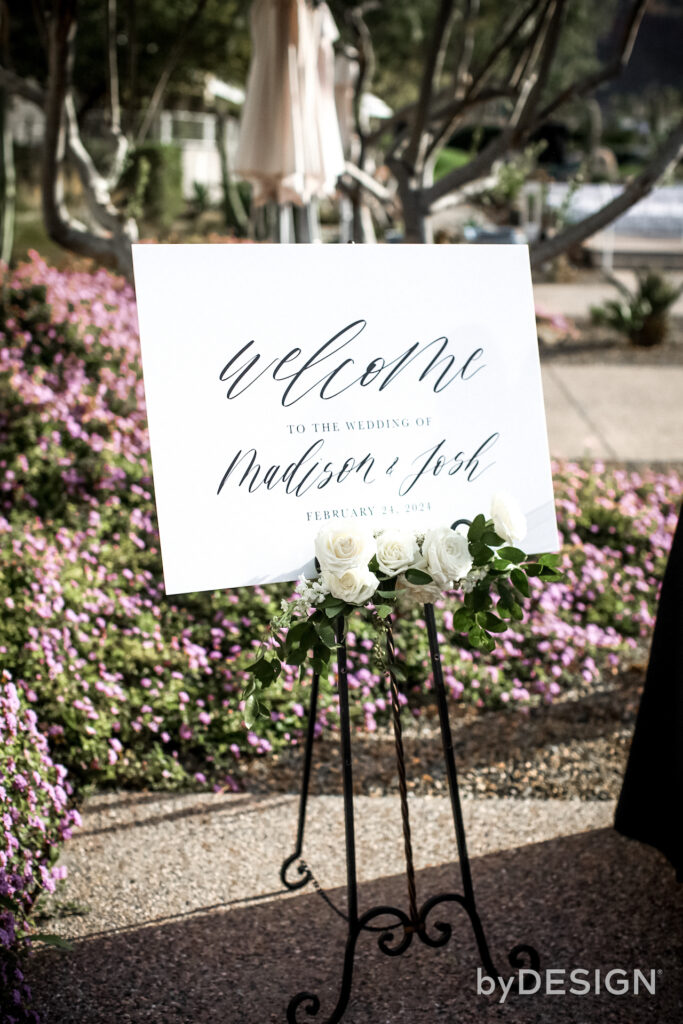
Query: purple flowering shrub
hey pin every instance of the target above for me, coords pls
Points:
(138, 689)
(36, 819)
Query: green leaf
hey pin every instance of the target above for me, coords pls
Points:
(551, 559)
(507, 595)
(325, 632)
(479, 638)
(533, 569)
(418, 577)
(480, 600)
(481, 554)
(462, 620)
(494, 624)
(512, 554)
(491, 538)
(520, 581)
(297, 631)
(384, 610)
(477, 527)
(52, 940)
(264, 670)
(251, 710)
(249, 689)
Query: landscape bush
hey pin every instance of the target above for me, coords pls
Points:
(36, 820)
(134, 688)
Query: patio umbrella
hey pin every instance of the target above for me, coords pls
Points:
(290, 146)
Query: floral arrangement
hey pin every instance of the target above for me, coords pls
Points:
(477, 561)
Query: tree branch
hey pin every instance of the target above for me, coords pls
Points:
(121, 141)
(667, 157)
(174, 56)
(465, 49)
(444, 15)
(616, 65)
(506, 38)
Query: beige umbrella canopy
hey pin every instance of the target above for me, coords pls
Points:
(290, 146)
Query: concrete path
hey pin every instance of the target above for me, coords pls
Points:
(622, 413)
(575, 299)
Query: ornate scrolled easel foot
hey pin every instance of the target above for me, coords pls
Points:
(302, 870)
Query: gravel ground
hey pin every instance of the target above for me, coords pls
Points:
(575, 747)
(177, 914)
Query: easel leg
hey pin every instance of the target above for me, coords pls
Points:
(308, 1000)
(303, 799)
(451, 771)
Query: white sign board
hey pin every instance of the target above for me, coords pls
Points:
(292, 386)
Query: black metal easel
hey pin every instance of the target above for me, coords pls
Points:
(414, 922)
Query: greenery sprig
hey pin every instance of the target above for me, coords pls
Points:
(304, 633)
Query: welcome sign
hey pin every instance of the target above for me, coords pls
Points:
(291, 386)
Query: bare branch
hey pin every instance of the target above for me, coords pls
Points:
(122, 144)
(612, 69)
(465, 49)
(452, 114)
(667, 157)
(113, 65)
(547, 49)
(445, 13)
(506, 37)
(529, 54)
(174, 56)
(18, 86)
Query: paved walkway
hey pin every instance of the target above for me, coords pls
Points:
(621, 413)
(185, 921)
(575, 299)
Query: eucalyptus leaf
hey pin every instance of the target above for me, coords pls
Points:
(512, 554)
(418, 577)
(251, 710)
(520, 581)
(493, 624)
(477, 527)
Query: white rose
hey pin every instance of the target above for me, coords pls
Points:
(397, 550)
(411, 594)
(340, 547)
(355, 585)
(509, 521)
(447, 554)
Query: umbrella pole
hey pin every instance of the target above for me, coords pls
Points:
(285, 224)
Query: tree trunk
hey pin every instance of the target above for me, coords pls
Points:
(8, 187)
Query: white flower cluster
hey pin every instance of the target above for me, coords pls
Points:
(345, 551)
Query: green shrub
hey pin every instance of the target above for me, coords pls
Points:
(642, 314)
(154, 180)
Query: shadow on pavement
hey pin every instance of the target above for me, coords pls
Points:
(594, 901)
